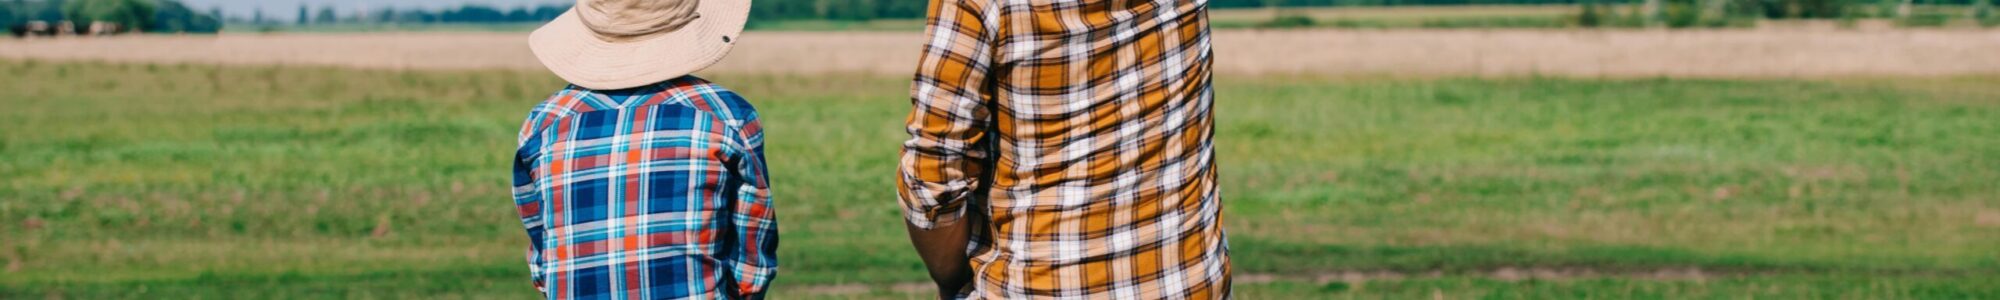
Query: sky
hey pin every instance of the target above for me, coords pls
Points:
(289, 9)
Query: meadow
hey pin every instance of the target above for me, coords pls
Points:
(1498, 53)
(194, 181)
(1383, 17)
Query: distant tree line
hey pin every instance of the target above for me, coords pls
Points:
(837, 9)
(1313, 3)
(172, 16)
(144, 15)
(910, 9)
(472, 13)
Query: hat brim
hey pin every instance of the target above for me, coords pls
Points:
(575, 53)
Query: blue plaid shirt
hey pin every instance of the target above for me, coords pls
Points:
(656, 192)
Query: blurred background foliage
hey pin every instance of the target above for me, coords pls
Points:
(145, 15)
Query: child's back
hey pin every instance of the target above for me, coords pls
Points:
(640, 180)
(651, 192)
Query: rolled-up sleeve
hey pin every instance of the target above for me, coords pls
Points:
(947, 154)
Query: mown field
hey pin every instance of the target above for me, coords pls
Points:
(175, 181)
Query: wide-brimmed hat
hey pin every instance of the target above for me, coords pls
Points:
(619, 44)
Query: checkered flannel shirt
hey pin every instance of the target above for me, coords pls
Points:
(655, 192)
(1083, 128)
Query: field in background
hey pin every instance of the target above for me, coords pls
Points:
(1350, 17)
(380, 27)
(177, 181)
(1456, 16)
(1385, 17)
(1761, 53)
(901, 25)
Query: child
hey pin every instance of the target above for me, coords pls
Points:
(639, 180)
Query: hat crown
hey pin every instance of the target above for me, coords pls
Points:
(615, 20)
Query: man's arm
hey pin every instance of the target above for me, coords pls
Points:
(946, 157)
(943, 249)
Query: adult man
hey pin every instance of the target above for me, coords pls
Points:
(640, 181)
(1065, 146)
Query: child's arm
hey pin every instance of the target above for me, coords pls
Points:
(755, 218)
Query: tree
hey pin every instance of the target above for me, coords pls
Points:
(1982, 9)
(172, 16)
(327, 16)
(130, 13)
(551, 13)
(1651, 12)
(473, 14)
(1592, 15)
(305, 15)
(519, 14)
(51, 11)
(384, 15)
(899, 9)
(1714, 11)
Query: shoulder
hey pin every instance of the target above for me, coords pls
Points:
(728, 107)
(712, 98)
(563, 103)
(567, 101)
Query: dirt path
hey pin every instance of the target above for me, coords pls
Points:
(1725, 53)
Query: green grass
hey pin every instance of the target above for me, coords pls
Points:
(168, 181)
(1443, 17)
(1762, 287)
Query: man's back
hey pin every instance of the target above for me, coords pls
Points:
(1090, 123)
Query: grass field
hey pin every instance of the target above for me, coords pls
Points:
(169, 181)
(1450, 16)
(1800, 53)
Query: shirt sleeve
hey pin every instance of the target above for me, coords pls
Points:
(756, 221)
(527, 193)
(947, 154)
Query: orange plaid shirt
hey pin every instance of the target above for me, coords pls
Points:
(1083, 128)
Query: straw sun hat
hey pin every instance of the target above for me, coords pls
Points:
(619, 44)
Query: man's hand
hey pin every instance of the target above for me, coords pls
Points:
(943, 250)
